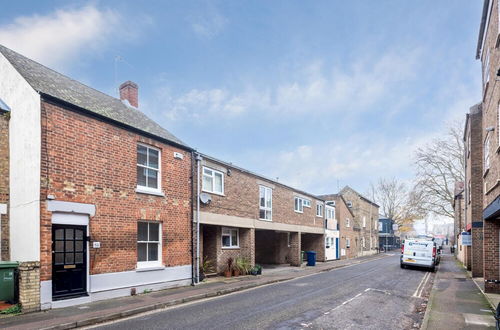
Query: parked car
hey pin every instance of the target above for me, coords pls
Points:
(419, 253)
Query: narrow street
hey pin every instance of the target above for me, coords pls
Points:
(374, 295)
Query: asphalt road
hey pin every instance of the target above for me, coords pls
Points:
(373, 295)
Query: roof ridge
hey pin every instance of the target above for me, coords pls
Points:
(56, 72)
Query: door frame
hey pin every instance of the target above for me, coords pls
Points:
(74, 219)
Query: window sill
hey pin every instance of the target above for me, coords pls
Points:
(230, 248)
(149, 269)
(141, 190)
(213, 193)
(268, 220)
(299, 212)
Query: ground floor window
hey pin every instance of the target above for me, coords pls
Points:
(148, 244)
(230, 237)
(347, 242)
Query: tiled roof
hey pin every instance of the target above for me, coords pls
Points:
(54, 84)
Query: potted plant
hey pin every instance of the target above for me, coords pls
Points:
(228, 269)
(256, 270)
(206, 267)
(237, 269)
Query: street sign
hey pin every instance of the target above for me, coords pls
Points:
(466, 239)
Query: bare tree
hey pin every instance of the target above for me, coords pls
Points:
(397, 201)
(439, 165)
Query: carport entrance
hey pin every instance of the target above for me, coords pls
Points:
(277, 247)
(314, 242)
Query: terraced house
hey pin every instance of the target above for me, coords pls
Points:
(365, 218)
(243, 214)
(97, 195)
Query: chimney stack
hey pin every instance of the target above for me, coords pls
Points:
(130, 91)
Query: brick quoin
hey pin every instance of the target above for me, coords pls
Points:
(86, 160)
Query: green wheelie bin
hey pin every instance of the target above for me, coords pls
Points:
(7, 280)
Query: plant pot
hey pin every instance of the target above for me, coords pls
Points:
(227, 273)
(253, 272)
(202, 277)
(236, 272)
(259, 272)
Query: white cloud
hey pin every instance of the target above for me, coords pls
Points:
(313, 89)
(62, 36)
(209, 23)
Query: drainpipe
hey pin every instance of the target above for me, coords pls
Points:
(198, 160)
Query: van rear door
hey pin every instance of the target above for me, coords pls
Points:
(418, 253)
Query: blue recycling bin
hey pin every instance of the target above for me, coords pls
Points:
(311, 258)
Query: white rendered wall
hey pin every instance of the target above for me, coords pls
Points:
(25, 156)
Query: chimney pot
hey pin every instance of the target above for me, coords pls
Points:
(130, 91)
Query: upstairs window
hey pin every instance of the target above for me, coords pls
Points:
(148, 168)
(487, 153)
(348, 242)
(486, 69)
(213, 181)
(265, 203)
(364, 221)
(330, 213)
(298, 205)
(347, 222)
(319, 210)
(349, 204)
(307, 203)
(148, 244)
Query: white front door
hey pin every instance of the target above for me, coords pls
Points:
(330, 248)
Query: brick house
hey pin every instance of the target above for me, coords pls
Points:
(243, 214)
(99, 195)
(473, 199)
(349, 232)
(487, 51)
(365, 217)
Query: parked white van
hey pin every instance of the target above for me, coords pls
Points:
(419, 253)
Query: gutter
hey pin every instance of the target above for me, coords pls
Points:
(482, 27)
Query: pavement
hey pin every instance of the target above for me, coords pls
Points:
(113, 309)
(374, 294)
(455, 301)
(493, 298)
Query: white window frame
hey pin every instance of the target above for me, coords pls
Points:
(364, 221)
(268, 192)
(319, 210)
(363, 243)
(306, 202)
(330, 213)
(227, 231)
(487, 152)
(347, 242)
(486, 68)
(147, 189)
(347, 222)
(298, 204)
(349, 204)
(212, 176)
(149, 263)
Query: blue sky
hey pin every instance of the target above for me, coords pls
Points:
(318, 93)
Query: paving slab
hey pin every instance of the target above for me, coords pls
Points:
(456, 302)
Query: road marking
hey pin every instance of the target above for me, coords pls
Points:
(421, 285)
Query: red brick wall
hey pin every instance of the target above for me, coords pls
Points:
(4, 183)
(88, 161)
(241, 198)
(474, 182)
